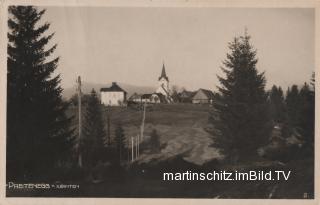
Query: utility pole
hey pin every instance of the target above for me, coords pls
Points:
(143, 119)
(79, 110)
(136, 146)
(132, 153)
(109, 126)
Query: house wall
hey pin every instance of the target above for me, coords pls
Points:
(113, 98)
(200, 101)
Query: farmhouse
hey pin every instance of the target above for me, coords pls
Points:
(153, 98)
(186, 96)
(113, 96)
(135, 97)
(203, 96)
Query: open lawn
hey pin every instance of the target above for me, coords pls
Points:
(181, 128)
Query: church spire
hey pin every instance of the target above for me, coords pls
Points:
(163, 73)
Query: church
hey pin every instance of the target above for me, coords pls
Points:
(163, 85)
(161, 94)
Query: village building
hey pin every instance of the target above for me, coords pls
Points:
(135, 97)
(186, 96)
(153, 98)
(113, 96)
(203, 96)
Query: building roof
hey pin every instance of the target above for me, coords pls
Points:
(163, 73)
(146, 96)
(187, 94)
(208, 93)
(135, 96)
(161, 97)
(114, 88)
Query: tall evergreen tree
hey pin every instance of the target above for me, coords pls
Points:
(240, 116)
(92, 145)
(293, 110)
(38, 131)
(120, 143)
(300, 118)
(307, 117)
(277, 105)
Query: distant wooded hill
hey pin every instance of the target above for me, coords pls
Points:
(88, 86)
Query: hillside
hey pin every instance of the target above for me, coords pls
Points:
(181, 128)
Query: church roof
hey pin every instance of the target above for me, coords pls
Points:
(114, 88)
(163, 73)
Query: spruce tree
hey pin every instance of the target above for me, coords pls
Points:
(120, 143)
(38, 131)
(277, 105)
(300, 116)
(293, 107)
(92, 144)
(307, 117)
(240, 116)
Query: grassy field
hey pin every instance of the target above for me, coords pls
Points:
(181, 128)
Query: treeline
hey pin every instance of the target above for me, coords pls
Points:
(245, 116)
(294, 114)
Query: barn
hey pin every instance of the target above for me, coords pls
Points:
(113, 96)
(203, 96)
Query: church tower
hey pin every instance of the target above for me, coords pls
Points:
(163, 81)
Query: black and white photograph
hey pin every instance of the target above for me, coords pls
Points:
(160, 102)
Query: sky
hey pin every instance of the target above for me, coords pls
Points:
(129, 45)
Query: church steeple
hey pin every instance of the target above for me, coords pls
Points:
(163, 73)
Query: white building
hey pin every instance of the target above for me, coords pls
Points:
(113, 96)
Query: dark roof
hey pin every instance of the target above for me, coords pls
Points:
(161, 97)
(114, 88)
(187, 94)
(146, 96)
(163, 73)
(135, 96)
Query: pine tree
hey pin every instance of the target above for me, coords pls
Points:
(277, 106)
(38, 131)
(293, 110)
(240, 115)
(307, 117)
(92, 145)
(120, 143)
(300, 118)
